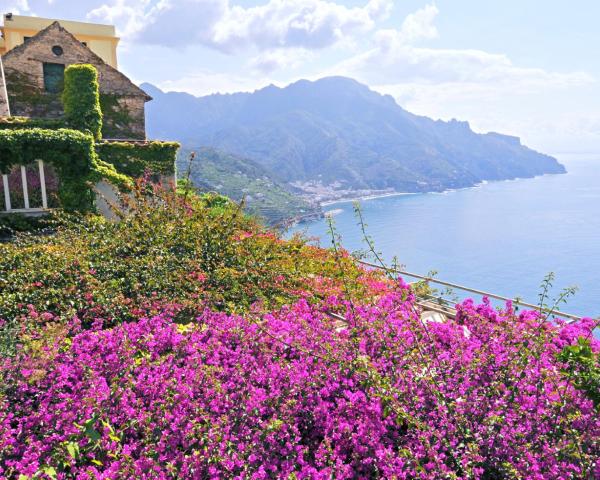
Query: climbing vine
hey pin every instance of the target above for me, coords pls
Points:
(75, 153)
(72, 155)
(81, 99)
(117, 121)
(134, 159)
(17, 123)
(26, 97)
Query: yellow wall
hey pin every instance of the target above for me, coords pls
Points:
(101, 39)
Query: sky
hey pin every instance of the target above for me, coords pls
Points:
(529, 68)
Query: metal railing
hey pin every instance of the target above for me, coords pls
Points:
(445, 303)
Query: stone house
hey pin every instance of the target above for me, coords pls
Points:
(31, 82)
(33, 72)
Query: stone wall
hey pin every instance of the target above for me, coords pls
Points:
(123, 116)
(4, 111)
(24, 71)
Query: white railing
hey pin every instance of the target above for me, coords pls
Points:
(26, 200)
(445, 306)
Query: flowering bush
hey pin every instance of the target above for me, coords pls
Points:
(187, 342)
(192, 254)
(296, 394)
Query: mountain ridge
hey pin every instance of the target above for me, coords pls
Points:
(337, 131)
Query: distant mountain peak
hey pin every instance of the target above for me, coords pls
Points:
(335, 130)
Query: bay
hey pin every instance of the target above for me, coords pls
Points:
(501, 237)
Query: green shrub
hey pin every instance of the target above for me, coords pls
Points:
(16, 123)
(135, 159)
(167, 251)
(81, 99)
(11, 224)
(70, 152)
(582, 366)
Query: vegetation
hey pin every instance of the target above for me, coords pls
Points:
(19, 223)
(25, 95)
(242, 179)
(135, 159)
(186, 341)
(72, 155)
(81, 99)
(75, 153)
(15, 123)
(116, 120)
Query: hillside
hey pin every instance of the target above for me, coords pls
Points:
(187, 342)
(240, 178)
(339, 133)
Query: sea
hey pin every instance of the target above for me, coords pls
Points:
(501, 237)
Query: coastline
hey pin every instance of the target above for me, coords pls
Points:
(366, 197)
(431, 192)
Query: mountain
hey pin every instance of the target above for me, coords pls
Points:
(240, 178)
(338, 133)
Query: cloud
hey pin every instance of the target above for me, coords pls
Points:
(278, 59)
(309, 24)
(395, 57)
(18, 7)
(488, 89)
(207, 82)
(419, 25)
(128, 15)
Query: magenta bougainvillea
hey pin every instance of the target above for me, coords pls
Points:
(298, 394)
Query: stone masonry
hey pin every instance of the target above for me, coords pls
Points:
(121, 100)
(4, 110)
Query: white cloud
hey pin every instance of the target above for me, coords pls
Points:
(395, 58)
(277, 59)
(206, 82)
(128, 15)
(419, 25)
(18, 7)
(487, 89)
(309, 24)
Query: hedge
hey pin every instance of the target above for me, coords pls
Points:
(18, 123)
(134, 159)
(81, 99)
(72, 155)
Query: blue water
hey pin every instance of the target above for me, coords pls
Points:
(502, 237)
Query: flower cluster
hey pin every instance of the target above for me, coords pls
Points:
(298, 394)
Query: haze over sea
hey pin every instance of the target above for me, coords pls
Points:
(501, 237)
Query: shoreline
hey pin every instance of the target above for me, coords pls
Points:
(431, 192)
(366, 197)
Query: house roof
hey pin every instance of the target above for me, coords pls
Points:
(130, 87)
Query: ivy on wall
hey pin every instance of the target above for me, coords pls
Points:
(72, 155)
(134, 159)
(76, 153)
(116, 119)
(18, 123)
(28, 98)
(81, 99)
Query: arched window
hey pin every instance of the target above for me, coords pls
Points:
(29, 188)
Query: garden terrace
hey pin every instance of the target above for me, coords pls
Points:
(186, 341)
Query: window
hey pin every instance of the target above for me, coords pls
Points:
(29, 188)
(54, 74)
(84, 44)
(57, 50)
(26, 39)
